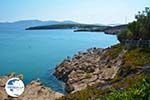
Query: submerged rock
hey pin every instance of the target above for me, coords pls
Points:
(33, 91)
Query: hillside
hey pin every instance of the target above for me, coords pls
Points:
(102, 73)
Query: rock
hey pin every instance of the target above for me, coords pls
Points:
(69, 88)
(36, 91)
(33, 91)
(3, 94)
(20, 76)
(88, 68)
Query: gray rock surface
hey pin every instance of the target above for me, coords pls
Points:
(88, 68)
(33, 91)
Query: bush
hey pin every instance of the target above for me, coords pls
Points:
(140, 90)
(125, 34)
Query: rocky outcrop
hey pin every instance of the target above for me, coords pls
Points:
(33, 91)
(88, 68)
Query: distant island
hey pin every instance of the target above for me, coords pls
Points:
(82, 28)
(49, 25)
(118, 72)
(69, 26)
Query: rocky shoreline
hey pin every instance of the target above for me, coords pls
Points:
(101, 68)
(88, 68)
(35, 90)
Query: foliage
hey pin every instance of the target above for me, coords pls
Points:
(137, 57)
(134, 58)
(85, 94)
(124, 88)
(125, 34)
(114, 51)
(139, 29)
(140, 90)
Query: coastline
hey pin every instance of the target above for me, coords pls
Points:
(112, 30)
(95, 72)
(94, 67)
(88, 68)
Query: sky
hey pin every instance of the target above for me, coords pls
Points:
(83, 11)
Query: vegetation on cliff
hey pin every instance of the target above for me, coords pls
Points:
(138, 90)
(135, 69)
(132, 78)
(138, 29)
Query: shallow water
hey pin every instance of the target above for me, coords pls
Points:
(36, 53)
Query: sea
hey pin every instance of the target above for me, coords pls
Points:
(36, 53)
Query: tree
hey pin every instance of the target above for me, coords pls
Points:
(143, 22)
(138, 29)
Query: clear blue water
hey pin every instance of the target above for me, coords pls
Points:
(36, 53)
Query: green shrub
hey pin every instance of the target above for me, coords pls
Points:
(114, 51)
(140, 90)
(125, 34)
(124, 87)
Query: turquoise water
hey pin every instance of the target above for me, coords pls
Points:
(36, 53)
